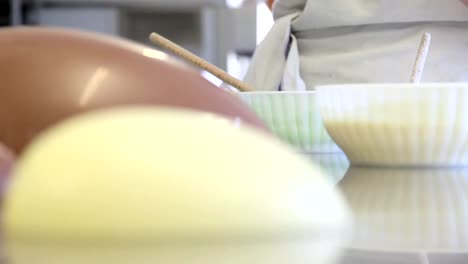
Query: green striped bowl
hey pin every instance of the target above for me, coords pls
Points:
(294, 117)
(334, 165)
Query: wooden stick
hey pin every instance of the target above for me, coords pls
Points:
(199, 62)
(418, 67)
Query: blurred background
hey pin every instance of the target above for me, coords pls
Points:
(224, 32)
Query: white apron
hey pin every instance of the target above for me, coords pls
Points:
(317, 42)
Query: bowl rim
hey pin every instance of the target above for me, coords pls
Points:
(441, 85)
(366, 85)
(279, 92)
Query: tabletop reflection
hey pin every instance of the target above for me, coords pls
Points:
(408, 215)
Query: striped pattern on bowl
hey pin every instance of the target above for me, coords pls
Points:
(398, 124)
(294, 117)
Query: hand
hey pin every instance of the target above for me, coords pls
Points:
(465, 2)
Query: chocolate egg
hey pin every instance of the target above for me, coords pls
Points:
(48, 74)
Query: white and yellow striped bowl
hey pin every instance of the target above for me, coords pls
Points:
(398, 124)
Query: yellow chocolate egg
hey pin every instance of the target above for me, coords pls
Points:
(155, 185)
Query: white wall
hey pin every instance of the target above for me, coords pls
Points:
(103, 19)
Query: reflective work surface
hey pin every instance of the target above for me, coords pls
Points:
(403, 215)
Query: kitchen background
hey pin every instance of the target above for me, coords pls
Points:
(224, 32)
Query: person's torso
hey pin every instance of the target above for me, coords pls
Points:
(336, 13)
(358, 41)
(383, 53)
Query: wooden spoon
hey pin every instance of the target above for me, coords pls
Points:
(199, 62)
(420, 61)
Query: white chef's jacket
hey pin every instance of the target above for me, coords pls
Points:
(317, 42)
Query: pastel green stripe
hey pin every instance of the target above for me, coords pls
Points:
(300, 120)
(291, 124)
(294, 118)
(282, 119)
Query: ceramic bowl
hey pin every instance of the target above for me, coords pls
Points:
(398, 124)
(294, 117)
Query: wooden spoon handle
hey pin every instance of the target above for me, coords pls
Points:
(418, 67)
(199, 62)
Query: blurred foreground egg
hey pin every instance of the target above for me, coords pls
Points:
(50, 74)
(153, 185)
